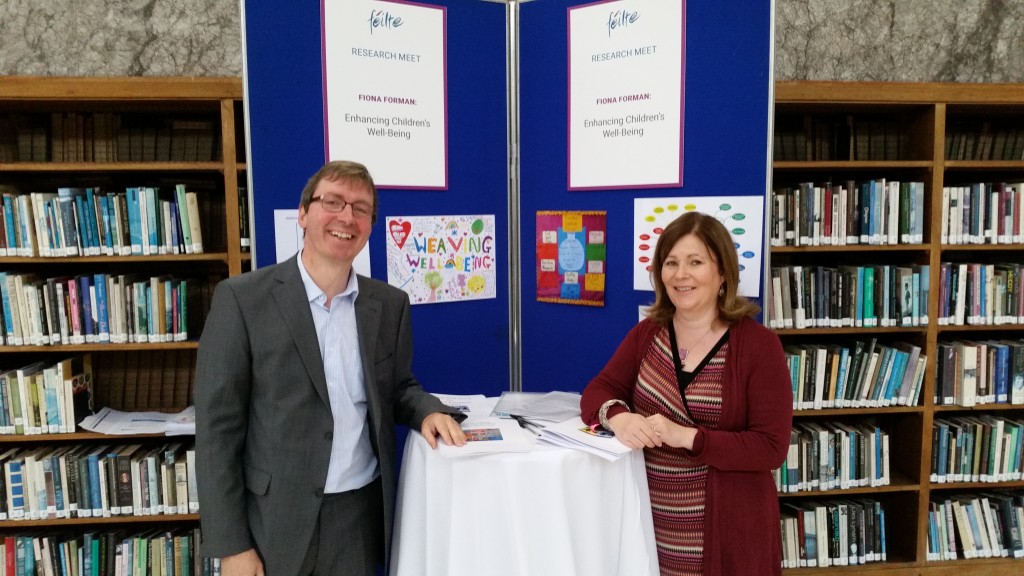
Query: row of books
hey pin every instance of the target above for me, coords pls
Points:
(848, 296)
(90, 481)
(980, 294)
(983, 141)
(874, 212)
(833, 533)
(106, 137)
(981, 448)
(982, 525)
(980, 372)
(857, 375)
(847, 137)
(46, 397)
(983, 213)
(99, 308)
(834, 456)
(155, 552)
(89, 222)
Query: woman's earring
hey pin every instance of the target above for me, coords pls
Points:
(721, 291)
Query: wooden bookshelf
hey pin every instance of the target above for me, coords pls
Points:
(823, 132)
(132, 376)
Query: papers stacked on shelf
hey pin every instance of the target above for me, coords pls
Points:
(573, 433)
(110, 421)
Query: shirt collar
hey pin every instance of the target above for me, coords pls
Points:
(315, 294)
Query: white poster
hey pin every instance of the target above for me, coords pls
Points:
(385, 90)
(743, 216)
(626, 94)
(442, 258)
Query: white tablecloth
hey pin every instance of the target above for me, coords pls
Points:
(550, 511)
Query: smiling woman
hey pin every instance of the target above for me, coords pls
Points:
(704, 390)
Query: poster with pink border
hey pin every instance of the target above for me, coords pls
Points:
(626, 60)
(572, 255)
(385, 89)
(442, 258)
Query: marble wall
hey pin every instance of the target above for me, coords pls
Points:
(884, 40)
(120, 38)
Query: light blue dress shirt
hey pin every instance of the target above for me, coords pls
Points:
(353, 463)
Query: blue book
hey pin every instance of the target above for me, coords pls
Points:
(52, 410)
(85, 301)
(12, 235)
(865, 218)
(878, 455)
(15, 488)
(892, 386)
(108, 239)
(91, 196)
(152, 220)
(844, 368)
(1002, 375)
(134, 221)
(942, 451)
(102, 309)
(811, 536)
(5, 297)
(176, 244)
(82, 217)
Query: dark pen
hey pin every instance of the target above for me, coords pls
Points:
(527, 424)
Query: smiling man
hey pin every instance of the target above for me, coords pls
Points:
(304, 368)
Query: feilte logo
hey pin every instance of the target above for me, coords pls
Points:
(621, 19)
(384, 20)
(399, 232)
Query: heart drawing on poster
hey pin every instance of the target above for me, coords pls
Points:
(399, 231)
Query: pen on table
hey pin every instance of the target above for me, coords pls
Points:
(527, 424)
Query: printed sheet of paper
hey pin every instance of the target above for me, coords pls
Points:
(626, 94)
(743, 216)
(487, 435)
(384, 89)
(571, 257)
(442, 258)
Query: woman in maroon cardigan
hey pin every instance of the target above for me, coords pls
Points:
(705, 391)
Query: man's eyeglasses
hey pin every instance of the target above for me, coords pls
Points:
(360, 210)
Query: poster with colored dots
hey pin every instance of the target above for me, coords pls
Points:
(743, 216)
(571, 256)
(442, 258)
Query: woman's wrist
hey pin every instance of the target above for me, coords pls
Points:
(602, 414)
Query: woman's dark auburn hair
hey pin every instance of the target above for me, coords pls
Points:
(715, 236)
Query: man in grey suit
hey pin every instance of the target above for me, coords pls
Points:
(303, 370)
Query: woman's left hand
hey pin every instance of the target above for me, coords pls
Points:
(672, 434)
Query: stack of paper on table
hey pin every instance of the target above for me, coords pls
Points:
(573, 433)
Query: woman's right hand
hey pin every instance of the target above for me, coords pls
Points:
(634, 430)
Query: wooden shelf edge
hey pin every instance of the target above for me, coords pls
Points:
(61, 522)
(894, 93)
(140, 88)
(187, 345)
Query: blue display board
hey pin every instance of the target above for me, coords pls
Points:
(463, 347)
(460, 348)
(727, 82)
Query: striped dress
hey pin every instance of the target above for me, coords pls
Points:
(677, 484)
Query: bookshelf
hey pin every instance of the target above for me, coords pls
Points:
(941, 136)
(108, 135)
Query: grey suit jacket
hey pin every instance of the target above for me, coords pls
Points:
(263, 417)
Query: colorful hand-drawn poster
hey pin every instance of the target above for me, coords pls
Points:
(743, 216)
(571, 257)
(442, 258)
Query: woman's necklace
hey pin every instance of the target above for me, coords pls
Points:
(684, 351)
